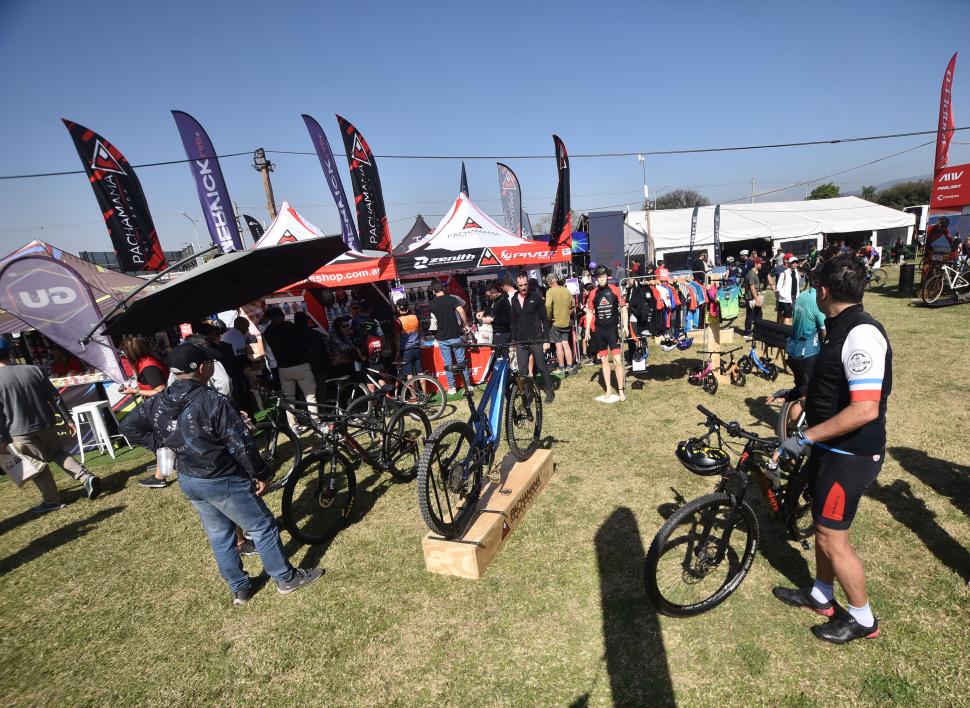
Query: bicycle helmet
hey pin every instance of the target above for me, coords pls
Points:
(641, 353)
(684, 343)
(700, 458)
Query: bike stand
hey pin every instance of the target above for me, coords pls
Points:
(500, 511)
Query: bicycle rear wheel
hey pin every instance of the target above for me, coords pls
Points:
(787, 424)
(878, 278)
(932, 288)
(363, 421)
(701, 555)
(427, 393)
(405, 432)
(449, 479)
(710, 384)
(280, 450)
(318, 498)
(523, 417)
(744, 363)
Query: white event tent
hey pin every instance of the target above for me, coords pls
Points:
(794, 226)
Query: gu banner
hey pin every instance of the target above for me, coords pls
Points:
(51, 297)
(255, 228)
(717, 236)
(121, 199)
(209, 183)
(944, 131)
(329, 165)
(508, 185)
(693, 234)
(371, 215)
(562, 218)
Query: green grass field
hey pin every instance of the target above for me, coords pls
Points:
(118, 601)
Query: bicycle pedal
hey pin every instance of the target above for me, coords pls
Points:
(495, 476)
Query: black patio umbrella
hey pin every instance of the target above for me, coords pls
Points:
(225, 283)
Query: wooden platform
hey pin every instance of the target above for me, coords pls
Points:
(500, 511)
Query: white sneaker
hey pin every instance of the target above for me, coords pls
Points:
(612, 398)
(605, 398)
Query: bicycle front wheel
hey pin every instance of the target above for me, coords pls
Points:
(878, 278)
(318, 498)
(932, 288)
(425, 392)
(449, 479)
(405, 433)
(523, 417)
(701, 555)
(280, 450)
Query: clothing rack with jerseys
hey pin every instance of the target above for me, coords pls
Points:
(662, 306)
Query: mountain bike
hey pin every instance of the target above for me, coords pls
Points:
(319, 494)
(751, 363)
(705, 549)
(791, 418)
(704, 375)
(459, 454)
(422, 390)
(278, 445)
(875, 277)
(944, 277)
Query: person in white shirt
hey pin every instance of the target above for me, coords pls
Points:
(787, 287)
(237, 336)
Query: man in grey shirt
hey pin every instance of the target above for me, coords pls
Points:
(753, 300)
(27, 405)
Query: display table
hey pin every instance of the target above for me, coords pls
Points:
(434, 365)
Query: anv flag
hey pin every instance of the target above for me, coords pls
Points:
(255, 228)
(463, 186)
(693, 234)
(944, 131)
(325, 154)
(209, 183)
(371, 215)
(51, 297)
(511, 194)
(562, 219)
(717, 236)
(121, 199)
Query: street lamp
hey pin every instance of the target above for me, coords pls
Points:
(198, 246)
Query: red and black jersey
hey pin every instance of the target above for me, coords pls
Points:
(605, 304)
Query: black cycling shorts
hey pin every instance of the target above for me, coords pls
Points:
(802, 369)
(604, 341)
(837, 482)
(785, 308)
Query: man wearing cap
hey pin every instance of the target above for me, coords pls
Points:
(787, 286)
(28, 402)
(220, 470)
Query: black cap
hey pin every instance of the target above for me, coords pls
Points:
(187, 358)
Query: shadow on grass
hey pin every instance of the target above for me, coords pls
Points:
(946, 478)
(762, 412)
(911, 511)
(780, 552)
(58, 537)
(636, 660)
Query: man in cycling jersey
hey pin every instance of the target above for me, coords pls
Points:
(845, 408)
(605, 311)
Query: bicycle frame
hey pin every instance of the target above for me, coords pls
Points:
(486, 417)
(756, 361)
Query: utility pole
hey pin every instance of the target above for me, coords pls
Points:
(646, 206)
(752, 190)
(262, 165)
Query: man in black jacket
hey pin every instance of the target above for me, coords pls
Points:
(498, 313)
(220, 470)
(530, 330)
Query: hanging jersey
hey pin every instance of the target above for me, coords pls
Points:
(605, 303)
(727, 299)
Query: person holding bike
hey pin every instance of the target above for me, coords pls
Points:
(220, 470)
(845, 406)
(530, 332)
(605, 311)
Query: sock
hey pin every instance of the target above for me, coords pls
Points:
(823, 592)
(862, 615)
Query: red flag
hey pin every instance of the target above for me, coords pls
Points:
(944, 132)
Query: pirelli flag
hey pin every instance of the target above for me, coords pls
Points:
(371, 214)
(121, 199)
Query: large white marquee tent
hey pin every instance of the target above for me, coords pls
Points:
(781, 223)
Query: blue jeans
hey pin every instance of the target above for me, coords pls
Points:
(224, 503)
(451, 353)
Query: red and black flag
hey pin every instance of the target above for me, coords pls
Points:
(121, 199)
(560, 232)
(371, 214)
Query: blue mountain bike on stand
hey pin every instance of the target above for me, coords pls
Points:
(458, 455)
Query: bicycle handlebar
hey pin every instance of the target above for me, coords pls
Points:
(734, 428)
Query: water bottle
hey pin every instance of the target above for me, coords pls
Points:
(166, 461)
(772, 473)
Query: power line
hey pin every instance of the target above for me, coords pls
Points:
(685, 151)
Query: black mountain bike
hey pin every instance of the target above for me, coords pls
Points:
(319, 494)
(278, 445)
(705, 549)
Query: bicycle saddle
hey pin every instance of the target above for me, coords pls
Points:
(338, 379)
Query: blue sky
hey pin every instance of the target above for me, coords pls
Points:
(465, 78)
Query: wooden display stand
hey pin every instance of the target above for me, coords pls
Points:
(500, 511)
